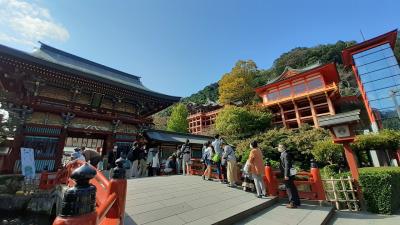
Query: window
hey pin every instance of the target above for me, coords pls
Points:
(315, 83)
(272, 96)
(285, 92)
(96, 100)
(299, 88)
(380, 74)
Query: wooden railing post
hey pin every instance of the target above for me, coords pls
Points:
(118, 185)
(317, 185)
(270, 180)
(79, 202)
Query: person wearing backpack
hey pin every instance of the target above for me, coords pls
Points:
(229, 157)
(217, 158)
(207, 156)
(186, 152)
(133, 156)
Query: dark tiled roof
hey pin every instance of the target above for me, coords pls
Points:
(174, 137)
(341, 118)
(57, 59)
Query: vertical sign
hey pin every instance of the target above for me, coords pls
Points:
(27, 163)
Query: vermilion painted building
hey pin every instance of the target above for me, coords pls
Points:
(202, 117)
(299, 96)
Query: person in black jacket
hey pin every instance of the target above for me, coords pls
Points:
(133, 156)
(285, 166)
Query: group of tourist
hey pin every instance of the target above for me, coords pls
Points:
(222, 155)
(142, 161)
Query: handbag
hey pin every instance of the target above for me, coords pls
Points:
(292, 171)
(246, 167)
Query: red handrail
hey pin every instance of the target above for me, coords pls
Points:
(110, 199)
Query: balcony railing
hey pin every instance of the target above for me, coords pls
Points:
(330, 87)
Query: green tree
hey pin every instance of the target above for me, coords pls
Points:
(178, 120)
(325, 151)
(240, 122)
(238, 85)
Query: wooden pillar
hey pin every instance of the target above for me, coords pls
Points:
(283, 116)
(108, 143)
(15, 152)
(297, 114)
(330, 105)
(313, 113)
(60, 149)
(351, 160)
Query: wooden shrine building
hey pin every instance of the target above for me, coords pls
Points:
(63, 100)
(300, 96)
(202, 116)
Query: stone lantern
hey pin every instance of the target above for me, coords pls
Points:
(341, 127)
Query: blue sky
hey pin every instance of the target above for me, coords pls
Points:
(180, 46)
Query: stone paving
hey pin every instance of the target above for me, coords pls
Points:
(280, 215)
(364, 218)
(188, 200)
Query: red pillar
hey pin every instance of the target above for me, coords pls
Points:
(60, 149)
(15, 152)
(351, 160)
(119, 187)
(317, 183)
(398, 156)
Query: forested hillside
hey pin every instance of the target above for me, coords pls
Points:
(296, 58)
(299, 57)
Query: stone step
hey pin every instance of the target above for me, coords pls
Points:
(189, 200)
(307, 214)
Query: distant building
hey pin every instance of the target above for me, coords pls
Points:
(64, 101)
(299, 96)
(202, 117)
(378, 77)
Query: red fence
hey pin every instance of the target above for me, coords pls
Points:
(309, 184)
(110, 199)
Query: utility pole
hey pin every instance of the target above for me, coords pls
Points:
(393, 94)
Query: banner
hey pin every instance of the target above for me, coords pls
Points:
(27, 163)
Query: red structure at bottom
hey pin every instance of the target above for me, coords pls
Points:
(110, 200)
(312, 188)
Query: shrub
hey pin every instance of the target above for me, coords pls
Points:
(384, 140)
(380, 187)
(330, 171)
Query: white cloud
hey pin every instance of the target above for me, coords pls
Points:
(26, 23)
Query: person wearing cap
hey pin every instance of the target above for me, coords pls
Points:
(256, 165)
(74, 156)
(186, 152)
(79, 155)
